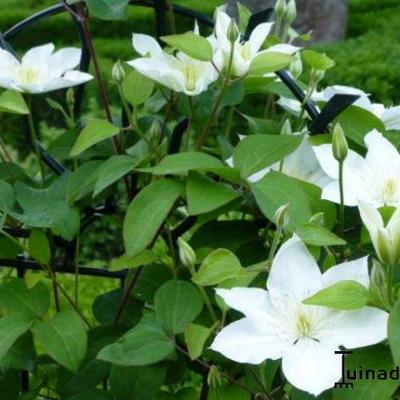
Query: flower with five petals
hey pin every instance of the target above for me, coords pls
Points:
(41, 69)
(277, 324)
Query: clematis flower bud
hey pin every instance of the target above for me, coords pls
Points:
(281, 216)
(296, 67)
(187, 255)
(318, 218)
(280, 8)
(340, 148)
(233, 31)
(286, 128)
(291, 12)
(118, 72)
(214, 378)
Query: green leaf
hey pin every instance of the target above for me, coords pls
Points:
(343, 295)
(195, 339)
(356, 122)
(147, 212)
(63, 338)
(276, 190)
(317, 235)
(244, 17)
(144, 344)
(11, 328)
(129, 262)
(108, 9)
(106, 307)
(256, 152)
(47, 208)
(15, 297)
(137, 88)
(132, 383)
(177, 303)
(112, 170)
(13, 102)
(39, 246)
(191, 44)
(205, 195)
(92, 394)
(219, 265)
(258, 125)
(318, 61)
(183, 162)
(267, 62)
(375, 358)
(393, 332)
(95, 131)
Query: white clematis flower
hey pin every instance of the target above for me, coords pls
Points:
(374, 179)
(278, 325)
(244, 51)
(301, 164)
(41, 70)
(386, 239)
(390, 116)
(180, 73)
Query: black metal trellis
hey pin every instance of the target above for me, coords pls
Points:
(319, 121)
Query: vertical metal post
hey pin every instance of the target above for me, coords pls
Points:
(24, 375)
(160, 10)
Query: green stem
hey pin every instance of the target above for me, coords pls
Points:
(310, 91)
(390, 284)
(208, 304)
(206, 131)
(229, 122)
(47, 268)
(274, 245)
(341, 210)
(34, 140)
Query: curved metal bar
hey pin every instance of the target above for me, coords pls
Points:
(54, 10)
(298, 92)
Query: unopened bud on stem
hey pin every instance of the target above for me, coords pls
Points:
(233, 31)
(281, 216)
(280, 8)
(291, 12)
(118, 72)
(339, 144)
(286, 128)
(187, 255)
(214, 378)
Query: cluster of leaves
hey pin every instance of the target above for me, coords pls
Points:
(190, 223)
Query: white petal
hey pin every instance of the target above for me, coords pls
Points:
(371, 218)
(331, 192)
(311, 366)
(283, 48)
(38, 55)
(290, 105)
(258, 36)
(7, 62)
(144, 44)
(359, 328)
(355, 270)
(70, 79)
(391, 118)
(160, 72)
(243, 341)
(249, 301)
(382, 156)
(64, 60)
(294, 271)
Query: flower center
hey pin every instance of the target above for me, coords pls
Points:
(389, 190)
(191, 75)
(28, 75)
(303, 325)
(245, 51)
